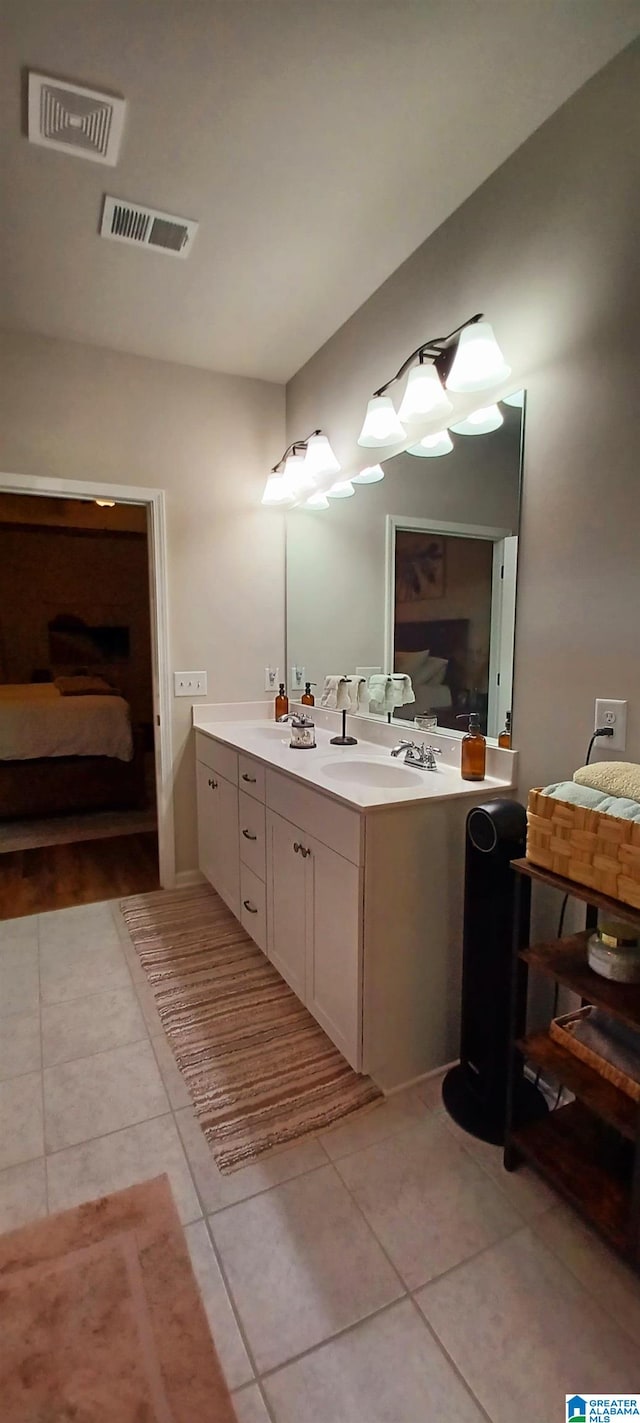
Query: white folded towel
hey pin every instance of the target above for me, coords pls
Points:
(402, 690)
(358, 694)
(380, 693)
(335, 693)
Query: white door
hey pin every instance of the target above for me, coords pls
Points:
(334, 993)
(287, 902)
(218, 847)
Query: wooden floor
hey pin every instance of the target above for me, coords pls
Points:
(32, 881)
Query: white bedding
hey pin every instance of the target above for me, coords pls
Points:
(36, 720)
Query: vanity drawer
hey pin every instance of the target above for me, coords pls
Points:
(217, 757)
(316, 814)
(253, 907)
(251, 776)
(252, 834)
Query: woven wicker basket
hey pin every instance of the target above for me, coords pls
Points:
(562, 1030)
(597, 850)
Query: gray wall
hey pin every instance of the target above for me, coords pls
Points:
(78, 412)
(548, 249)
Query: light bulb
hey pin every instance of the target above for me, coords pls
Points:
(516, 399)
(432, 446)
(371, 474)
(423, 396)
(105, 503)
(480, 422)
(478, 363)
(316, 501)
(296, 476)
(276, 491)
(381, 424)
(319, 458)
(342, 489)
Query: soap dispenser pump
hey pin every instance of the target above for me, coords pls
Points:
(282, 702)
(473, 754)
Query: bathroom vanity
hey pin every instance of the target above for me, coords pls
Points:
(346, 867)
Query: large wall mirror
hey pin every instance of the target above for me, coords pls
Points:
(415, 576)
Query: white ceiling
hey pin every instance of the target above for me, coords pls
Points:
(318, 142)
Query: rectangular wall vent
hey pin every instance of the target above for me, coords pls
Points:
(82, 122)
(147, 227)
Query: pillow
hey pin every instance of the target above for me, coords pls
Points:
(435, 671)
(85, 687)
(412, 664)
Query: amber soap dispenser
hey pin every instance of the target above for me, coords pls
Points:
(473, 755)
(282, 702)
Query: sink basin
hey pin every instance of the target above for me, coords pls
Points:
(271, 731)
(379, 775)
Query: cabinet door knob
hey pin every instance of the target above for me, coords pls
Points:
(248, 905)
(248, 836)
(213, 784)
(250, 779)
(304, 852)
(297, 848)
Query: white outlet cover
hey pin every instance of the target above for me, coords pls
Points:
(609, 712)
(189, 684)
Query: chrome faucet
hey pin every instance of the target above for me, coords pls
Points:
(417, 755)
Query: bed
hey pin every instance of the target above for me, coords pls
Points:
(63, 752)
(434, 654)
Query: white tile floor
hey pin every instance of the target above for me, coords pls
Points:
(388, 1271)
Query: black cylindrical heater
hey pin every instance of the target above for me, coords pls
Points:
(475, 1092)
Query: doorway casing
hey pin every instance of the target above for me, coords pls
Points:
(154, 502)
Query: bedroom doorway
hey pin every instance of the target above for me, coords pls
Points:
(85, 805)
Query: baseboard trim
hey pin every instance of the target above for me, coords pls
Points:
(186, 877)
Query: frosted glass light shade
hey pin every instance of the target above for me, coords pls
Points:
(296, 476)
(342, 489)
(316, 501)
(478, 363)
(276, 491)
(381, 424)
(371, 474)
(319, 458)
(480, 422)
(423, 396)
(432, 446)
(516, 399)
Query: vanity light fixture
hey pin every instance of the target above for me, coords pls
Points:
(480, 422)
(342, 489)
(381, 426)
(432, 446)
(304, 464)
(468, 359)
(371, 474)
(317, 501)
(516, 399)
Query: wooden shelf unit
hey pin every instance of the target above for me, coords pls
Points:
(589, 1150)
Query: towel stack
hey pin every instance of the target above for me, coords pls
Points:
(388, 691)
(335, 693)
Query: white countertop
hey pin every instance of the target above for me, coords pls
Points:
(363, 776)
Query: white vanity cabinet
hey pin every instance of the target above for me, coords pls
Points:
(218, 851)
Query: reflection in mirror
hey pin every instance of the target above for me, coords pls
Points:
(415, 577)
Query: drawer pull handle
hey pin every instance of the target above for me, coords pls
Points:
(248, 836)
(248, 905)
(251, 779)
(213, 784)
(300, 849)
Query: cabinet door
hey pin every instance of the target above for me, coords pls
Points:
(218, 849)
(334, 957)
(286, 902)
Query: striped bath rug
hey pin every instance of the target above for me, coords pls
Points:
(260, 1070)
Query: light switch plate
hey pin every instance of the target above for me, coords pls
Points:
(611, 713)
(189, 684)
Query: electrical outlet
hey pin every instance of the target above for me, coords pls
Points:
(271, 675)
(298, 679)
(610, 713)
(189, 684)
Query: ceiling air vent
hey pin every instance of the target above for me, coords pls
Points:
(147, 227)
(82, 122)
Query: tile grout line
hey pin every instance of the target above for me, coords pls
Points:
(451, 1362)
